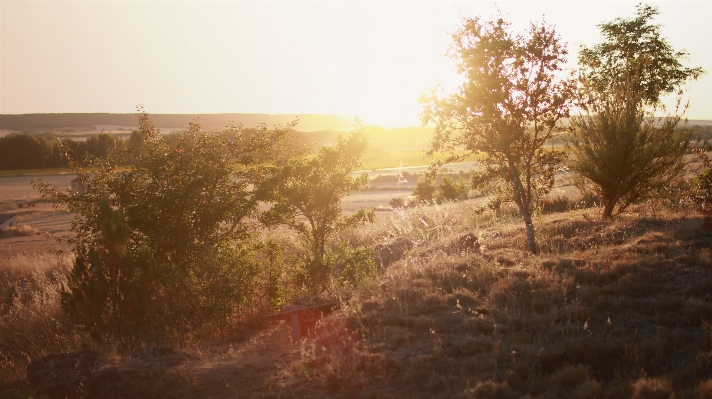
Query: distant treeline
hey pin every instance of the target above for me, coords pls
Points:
(701, 132)
(45, 150)
(41, 122)
(32, 150)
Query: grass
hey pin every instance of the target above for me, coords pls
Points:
(35, 172)
(607, 309)
(396, 158)
(19, 231)
(32, 324)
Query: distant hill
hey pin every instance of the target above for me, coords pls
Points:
(41, 122)
(699, 122)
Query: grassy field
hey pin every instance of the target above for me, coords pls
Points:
(607, 309)
(394, 159)
(34, 172)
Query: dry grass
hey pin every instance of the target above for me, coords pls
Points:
(19, 231)
(607, 309)
(32, 323)
(614, 309)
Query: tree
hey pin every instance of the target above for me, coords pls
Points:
(451, 190)
(620, 150)
(24, 151)
(163, 234)
(424, 190)
(508, 106)
(308, 200)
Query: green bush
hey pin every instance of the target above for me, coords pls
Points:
(164, 246)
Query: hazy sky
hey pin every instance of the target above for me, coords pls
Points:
(371, 59)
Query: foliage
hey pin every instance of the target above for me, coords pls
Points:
(23, 151)
(397, 203)
(633, 52)
(308, 199)
(451, 190)
(164, 244)
(620, 150)
(357, 264)
(507, 108)
(701, 193)
(424, 191)
(32, 150)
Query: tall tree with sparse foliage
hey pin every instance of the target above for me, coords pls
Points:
(513, 96)
(620, 150)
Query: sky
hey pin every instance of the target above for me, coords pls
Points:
(368, 59)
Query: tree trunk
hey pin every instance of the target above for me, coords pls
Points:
(531, 239)
(608, 206)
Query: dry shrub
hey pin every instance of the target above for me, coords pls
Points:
(704, 389)
(340, 359)
(19, 231)
(423, 225)
(560, 202)
(653, 388)
(32, 324)
(489, 390)
(569, 377)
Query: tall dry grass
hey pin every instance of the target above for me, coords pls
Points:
(615, 309)
(606, 309)
(32, 323)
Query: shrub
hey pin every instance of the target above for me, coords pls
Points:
(163, 240)
(307, 195)
(357, 265)
(397, 203)
(701, 188)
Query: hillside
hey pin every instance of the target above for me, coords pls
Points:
(42, 122)
(607, 309)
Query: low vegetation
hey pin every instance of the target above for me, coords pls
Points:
(19, 231)
(183, 241)
(615, 308)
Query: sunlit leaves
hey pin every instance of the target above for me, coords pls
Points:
(307, 196)
(509, 105)
(621, 149)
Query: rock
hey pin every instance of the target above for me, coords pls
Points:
(62, 375)
(387, 254)
(464, 244)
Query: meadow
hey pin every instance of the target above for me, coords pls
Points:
(614, 309)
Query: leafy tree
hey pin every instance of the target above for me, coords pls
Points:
(424, 190)
(451, 190)
(620, 150)
(163, 236)
(397, 203)
(508, 106)
(308, 200)
(24, 151)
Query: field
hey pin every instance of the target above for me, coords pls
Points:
(394, 158)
